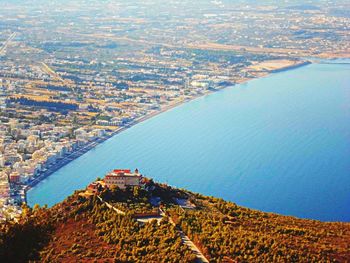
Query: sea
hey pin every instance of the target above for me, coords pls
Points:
(279, 144)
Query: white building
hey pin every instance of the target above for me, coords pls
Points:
(123, 178)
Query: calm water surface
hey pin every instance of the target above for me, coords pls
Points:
(280, 144)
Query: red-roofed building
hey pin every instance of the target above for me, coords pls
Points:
(123, 178)
(15, 178)
(128, 171)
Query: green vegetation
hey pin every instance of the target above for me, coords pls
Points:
(21, 242)
(83, 228)
(225, 231)
(134, 241)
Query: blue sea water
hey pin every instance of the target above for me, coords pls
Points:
(278, 144)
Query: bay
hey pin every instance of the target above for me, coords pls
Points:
(278, 144)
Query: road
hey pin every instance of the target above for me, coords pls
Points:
(57, 77)
(120, 212)
(4, 46)
(187, 241)
(51, 72)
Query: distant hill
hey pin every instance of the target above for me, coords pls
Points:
(149, 225)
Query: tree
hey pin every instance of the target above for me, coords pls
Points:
(136, 191)
(36, 207)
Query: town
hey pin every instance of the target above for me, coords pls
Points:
(72, 77)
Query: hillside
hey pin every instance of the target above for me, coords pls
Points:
(84, 228)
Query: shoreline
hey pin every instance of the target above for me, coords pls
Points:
(91, 145)
(295, 66)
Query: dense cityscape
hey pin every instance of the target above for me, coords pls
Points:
(75, 73)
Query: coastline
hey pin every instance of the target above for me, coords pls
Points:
(295, 66)
(213, 128)
(91, 145)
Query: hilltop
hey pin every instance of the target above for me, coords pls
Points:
(153, 223)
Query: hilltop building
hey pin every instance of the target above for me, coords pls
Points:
(123, 178)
